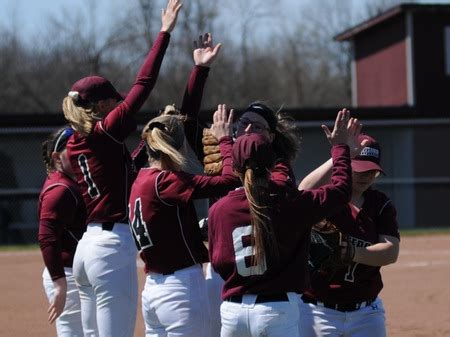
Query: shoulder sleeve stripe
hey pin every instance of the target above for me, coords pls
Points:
(64, 185)
(157, 192)
(383, 207)
(110, 136)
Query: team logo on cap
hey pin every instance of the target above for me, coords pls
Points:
(370, 152)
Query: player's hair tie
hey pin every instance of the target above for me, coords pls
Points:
(75, 95)
(157, 125)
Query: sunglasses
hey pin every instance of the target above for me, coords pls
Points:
(256, 126)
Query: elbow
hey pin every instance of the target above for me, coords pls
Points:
(394, 257)
(303, 185)
(391, 260)
(391, 256)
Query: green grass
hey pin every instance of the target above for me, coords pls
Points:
(14, 248)
(424, 231)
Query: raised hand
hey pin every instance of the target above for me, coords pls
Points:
(169, 15)
(222, 122)
(205, 52)
(346, 130)
(355, 127)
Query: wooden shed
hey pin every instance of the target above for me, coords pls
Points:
(402, 58)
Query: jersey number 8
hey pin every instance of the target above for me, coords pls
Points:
(241, 253)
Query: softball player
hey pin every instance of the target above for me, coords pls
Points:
(105, 260)
(165, 226)
(279, 130)
(259, 237)
(348, 304)
(62, 222)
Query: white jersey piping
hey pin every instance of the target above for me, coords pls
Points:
(114, 139)
(178, 217)
(61, 184)
(384, 206)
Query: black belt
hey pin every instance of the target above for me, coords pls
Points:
(261, 298)
(109, 225)
(339, 306)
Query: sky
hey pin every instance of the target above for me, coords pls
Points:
(29, 16)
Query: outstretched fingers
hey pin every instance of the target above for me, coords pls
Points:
(326, 130)
(231, 117)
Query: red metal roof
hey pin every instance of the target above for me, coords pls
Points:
(388, 14)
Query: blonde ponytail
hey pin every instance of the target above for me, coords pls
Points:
(164, 136)
(80, 118)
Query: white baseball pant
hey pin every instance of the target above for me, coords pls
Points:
(176, 304)
(269, 319)
(68, 324)
(318, 321)
(106, 274)
(214, 284)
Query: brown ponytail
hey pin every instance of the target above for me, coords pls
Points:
(55, 142)
(47, 156)
(263, 239)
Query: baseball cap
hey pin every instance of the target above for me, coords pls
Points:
(265, 112)
(93, 89)
(253, 150)
(369, 157)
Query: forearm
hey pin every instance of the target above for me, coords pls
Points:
(191, 106)
(215, 186)
(148, 74)
(61, 284)
(52, 255)
(50, 243)
(193, 94)
(379, 254)
(320, 176)
(226, 147)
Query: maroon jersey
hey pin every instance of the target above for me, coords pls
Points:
(293, 214)
(282, 174)
(101, 160)
(62, 222)
(359, 282)
(163, 217)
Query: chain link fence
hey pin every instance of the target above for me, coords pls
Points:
(415, 156)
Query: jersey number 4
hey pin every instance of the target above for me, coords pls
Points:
(84, 166)
(139, 227)
(242, 253)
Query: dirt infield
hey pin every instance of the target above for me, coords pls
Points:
(416, 293)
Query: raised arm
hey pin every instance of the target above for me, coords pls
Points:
(181, 187)
(204, 55)
(207, 186)
(324, 201)
(322, 175)
(118, 123)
